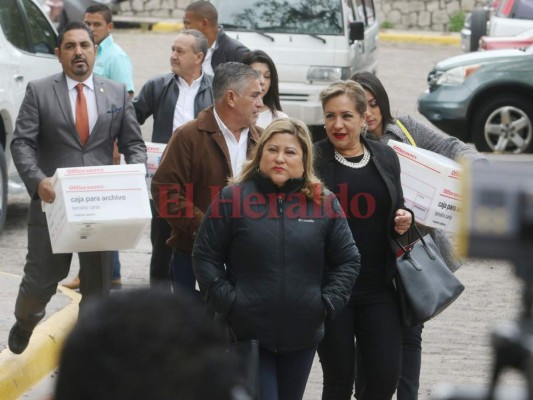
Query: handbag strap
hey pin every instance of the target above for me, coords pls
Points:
(406, 133)
(407, 249)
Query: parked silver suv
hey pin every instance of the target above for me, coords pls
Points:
(27, 42)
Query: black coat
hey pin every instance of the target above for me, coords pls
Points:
(388, 166)
(228, 49)
(260, 258)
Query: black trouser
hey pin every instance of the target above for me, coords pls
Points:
(44, 270)
(411, 363)
(372, 317)
(161, 252)
(283, 376)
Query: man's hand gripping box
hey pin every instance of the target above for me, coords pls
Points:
(98, 208)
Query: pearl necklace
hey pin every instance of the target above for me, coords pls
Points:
(355, 165)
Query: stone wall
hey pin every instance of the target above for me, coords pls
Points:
(432, 15)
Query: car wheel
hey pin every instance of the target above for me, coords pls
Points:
(504, 124)
(478, 26)
(3, 189)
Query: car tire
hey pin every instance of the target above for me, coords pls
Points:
(3, 189)
(504, 124)
(478, 26)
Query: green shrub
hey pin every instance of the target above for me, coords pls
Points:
(457, 21)
(387, 25)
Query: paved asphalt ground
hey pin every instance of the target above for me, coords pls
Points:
(456, 345)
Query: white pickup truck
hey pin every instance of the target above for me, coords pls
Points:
(27, 42)
(312, 43)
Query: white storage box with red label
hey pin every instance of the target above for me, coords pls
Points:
(431, 186)
(98, 208)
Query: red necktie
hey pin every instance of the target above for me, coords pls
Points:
(82, 119)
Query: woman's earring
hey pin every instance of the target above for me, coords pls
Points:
(364, 130)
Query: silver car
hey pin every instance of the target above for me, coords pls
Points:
(27, 42)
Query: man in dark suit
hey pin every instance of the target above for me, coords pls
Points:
(203, 16)
(66, 120)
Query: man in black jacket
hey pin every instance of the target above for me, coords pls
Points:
(173, 99)
(203, 15)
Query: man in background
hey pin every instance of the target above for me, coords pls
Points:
(111, 61)
(173, 99)
(201, 156)
(203, 16)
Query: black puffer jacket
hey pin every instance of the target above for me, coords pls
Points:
(260, 258)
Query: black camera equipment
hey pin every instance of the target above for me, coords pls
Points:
(497, 223)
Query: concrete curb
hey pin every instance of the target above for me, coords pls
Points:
(18, 373)
(167, 26)
(422, 38)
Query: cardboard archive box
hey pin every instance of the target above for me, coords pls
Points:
(98, 208)
(431, 186)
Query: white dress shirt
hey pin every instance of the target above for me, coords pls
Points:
(206, 65)
(184, 111)
(236, 149)
(266, 117)
(90, 97)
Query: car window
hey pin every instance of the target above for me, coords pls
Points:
(43, 36)
(365, 9)
(520, 9)
(282, 16)
(524, 10)
(12, 25)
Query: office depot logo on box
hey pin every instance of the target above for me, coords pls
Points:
(431, 186)
(98, 208)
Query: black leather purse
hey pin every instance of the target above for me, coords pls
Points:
(424, 284)
(245, 353)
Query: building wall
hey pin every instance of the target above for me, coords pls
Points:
(431, 15)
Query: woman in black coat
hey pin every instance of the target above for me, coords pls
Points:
(366, 178)
(275, 257)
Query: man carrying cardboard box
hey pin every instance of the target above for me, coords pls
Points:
(66, 120)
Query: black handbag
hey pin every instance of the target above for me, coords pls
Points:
(424, 283)
(246, 352)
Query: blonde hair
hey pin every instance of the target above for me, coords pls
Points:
(298, 129)
(352, 89)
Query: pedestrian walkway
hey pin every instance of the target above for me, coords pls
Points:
(456, 345)
(18, 373)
